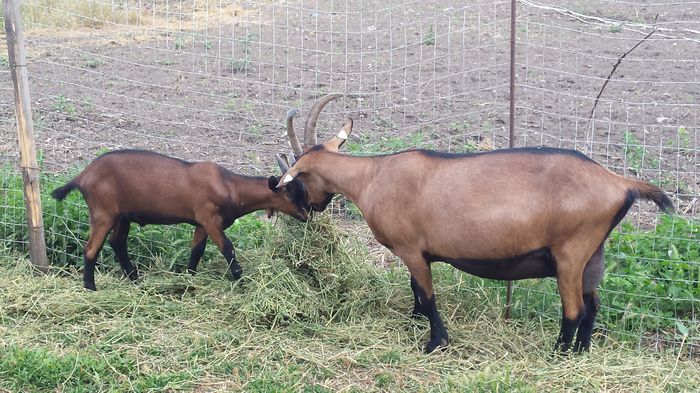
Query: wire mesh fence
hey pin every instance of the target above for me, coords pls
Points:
(212, 80)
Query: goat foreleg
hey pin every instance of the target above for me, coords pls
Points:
(425, 299)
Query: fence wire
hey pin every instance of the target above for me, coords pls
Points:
(212, 80)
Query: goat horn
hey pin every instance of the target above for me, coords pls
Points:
(282, 162)
(310, 138)
(293, 140)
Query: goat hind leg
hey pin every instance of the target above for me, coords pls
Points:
(569, 281)
(117, 240)
(199, 243)
(98, 232)
(592, 276)
(585, 328)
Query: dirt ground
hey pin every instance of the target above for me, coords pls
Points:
(206, 81)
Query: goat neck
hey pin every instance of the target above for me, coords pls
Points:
(250, 194)
(343, 174)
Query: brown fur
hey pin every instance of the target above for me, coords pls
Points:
(149, 188)
(484, 208)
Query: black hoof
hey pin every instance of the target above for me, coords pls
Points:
(134, 275)
(580, 347)
(438, 340)
(236, 274)
(436, 343)
(90, 286)
(562, 348)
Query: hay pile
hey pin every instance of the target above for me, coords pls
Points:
(312, 272)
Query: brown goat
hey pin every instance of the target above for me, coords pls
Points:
(144, 187)
(507, 214)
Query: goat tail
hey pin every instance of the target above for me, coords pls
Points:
(650, 192)
(61, 192)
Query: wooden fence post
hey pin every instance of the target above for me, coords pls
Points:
(25, 129)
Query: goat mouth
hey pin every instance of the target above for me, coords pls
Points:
(304, 216)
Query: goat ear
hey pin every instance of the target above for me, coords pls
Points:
(340, 138)
(272, 183)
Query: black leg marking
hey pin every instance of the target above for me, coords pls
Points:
(196, 255)
(438, 333)
(233, 267)
(117, 241)
(418, 308)
(89, 273)
(585, 329)
(566, 334)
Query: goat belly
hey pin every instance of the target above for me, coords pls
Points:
(157, 218)
(534, 264)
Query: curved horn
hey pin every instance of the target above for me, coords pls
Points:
(282, 162)
(293, 140)
(310, 126)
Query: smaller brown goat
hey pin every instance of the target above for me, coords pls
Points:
(144, 187)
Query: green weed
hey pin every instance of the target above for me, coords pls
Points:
(65, 106)
(242, 64)
(683, 137)
(637, 155)
(180, 43)
(255, 129)
(93, 62)
(429, 37)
